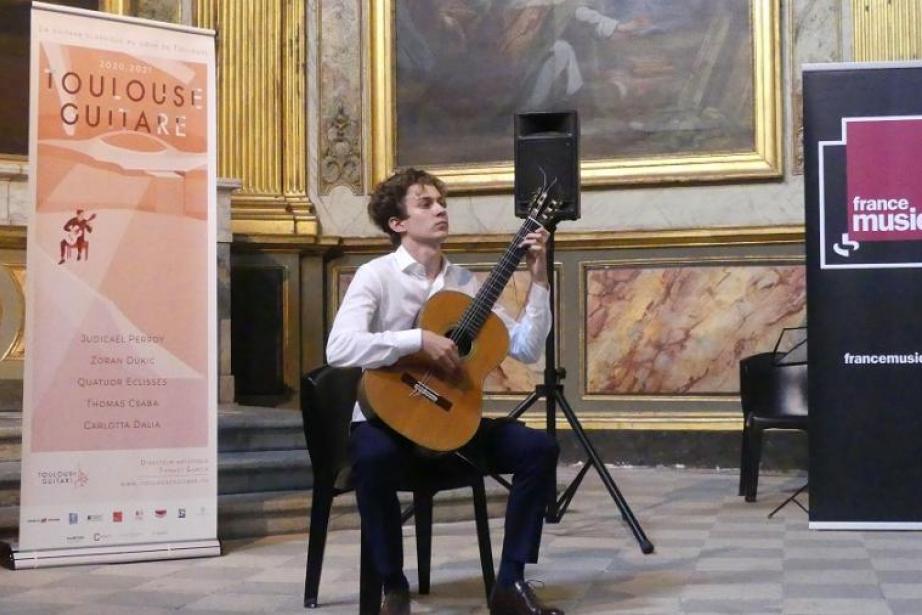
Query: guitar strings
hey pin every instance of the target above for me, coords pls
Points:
(511, 257)
(488, 292)
(492, 288)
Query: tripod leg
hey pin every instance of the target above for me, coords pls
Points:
(645, 545)
(524, 405)
(567, 496)
(792, 498)
(552, 511)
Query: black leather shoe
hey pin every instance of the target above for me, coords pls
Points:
(396, 603)
(518, 600)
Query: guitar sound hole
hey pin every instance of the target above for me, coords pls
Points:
(462, 341)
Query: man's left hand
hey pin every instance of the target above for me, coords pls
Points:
(536, 255)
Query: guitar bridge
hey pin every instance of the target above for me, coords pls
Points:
(426, 391)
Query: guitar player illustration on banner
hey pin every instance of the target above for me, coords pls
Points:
(75, 231)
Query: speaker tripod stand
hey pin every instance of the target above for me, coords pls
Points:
(552, 392)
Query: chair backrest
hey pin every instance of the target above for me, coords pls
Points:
(327, 399)
(771, 390)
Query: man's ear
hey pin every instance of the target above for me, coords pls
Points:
(396, 224)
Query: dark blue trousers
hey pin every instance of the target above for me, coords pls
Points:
(379, 457)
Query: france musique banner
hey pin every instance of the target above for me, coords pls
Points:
(120, 419)
(863, 189)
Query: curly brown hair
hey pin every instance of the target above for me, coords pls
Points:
(386, 201)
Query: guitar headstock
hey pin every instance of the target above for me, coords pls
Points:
(544, 208)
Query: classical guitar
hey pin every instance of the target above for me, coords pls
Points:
(438, 411)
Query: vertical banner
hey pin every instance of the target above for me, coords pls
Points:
(120, 415)
(863, 150)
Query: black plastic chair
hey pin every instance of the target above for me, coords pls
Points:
(327, 399)
(774, 396)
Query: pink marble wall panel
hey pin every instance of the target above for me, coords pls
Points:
(682, 330)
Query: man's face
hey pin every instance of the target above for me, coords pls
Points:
(427, 215)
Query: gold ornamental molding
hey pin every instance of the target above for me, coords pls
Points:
(639, 421)
(119, 7)
(12, 315)
(12, 237)
(13, 168)
(262, 101)
(608, 240)
(886, 30)
(281, 243)
(14, 160)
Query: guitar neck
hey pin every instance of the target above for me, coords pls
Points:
(480, 307)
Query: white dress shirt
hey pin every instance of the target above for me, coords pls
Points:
(375, 325)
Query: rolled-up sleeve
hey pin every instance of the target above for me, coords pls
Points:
(528, 334)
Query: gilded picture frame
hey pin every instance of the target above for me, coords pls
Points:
(709, 159)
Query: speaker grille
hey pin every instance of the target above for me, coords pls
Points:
(547, 149)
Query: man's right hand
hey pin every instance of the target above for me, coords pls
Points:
(441, 351)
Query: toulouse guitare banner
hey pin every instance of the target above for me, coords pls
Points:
(120, 419)
(863, 188)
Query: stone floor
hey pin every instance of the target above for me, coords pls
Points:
(714, 554)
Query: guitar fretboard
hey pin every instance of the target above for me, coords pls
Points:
(476, 314)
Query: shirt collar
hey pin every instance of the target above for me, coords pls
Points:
(406, 262)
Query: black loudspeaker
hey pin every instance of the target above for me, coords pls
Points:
(546, 152)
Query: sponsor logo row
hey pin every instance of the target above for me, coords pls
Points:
(119, 516)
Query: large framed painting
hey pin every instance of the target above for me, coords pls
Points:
(666, 90)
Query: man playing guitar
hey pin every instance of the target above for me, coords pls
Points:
(375, 327)
(76, 229)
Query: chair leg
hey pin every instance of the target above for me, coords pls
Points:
(321, 501)
(483, 536)
(755, 460)
(369, 583)
(744, 458)
(422, 504)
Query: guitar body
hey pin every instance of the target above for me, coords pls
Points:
(437, 411)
